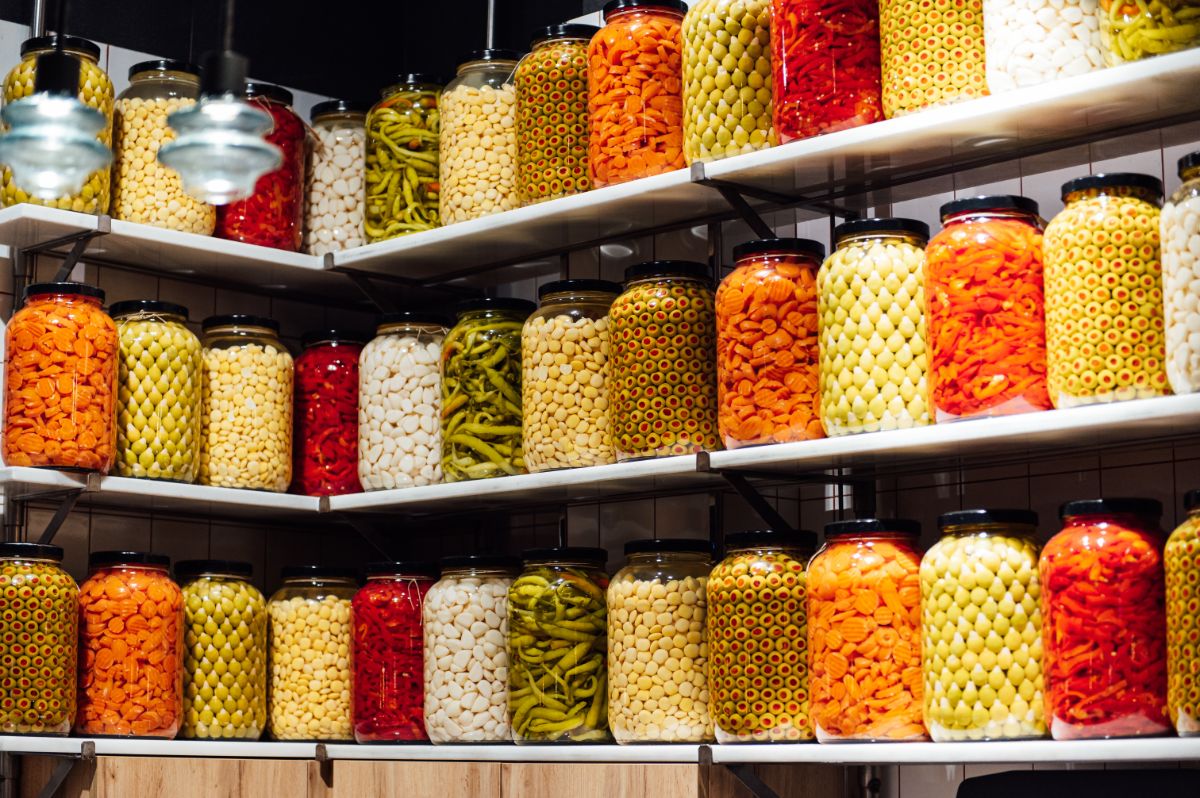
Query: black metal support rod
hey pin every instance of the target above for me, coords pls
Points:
(750, 780)
(371, 292)
(72, 259)
(60, 516)
(756, 501)
(747, 214)
(64, 766)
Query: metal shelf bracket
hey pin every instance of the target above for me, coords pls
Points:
(66, 763)
(735, 195)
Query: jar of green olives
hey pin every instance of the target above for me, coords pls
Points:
(225, 651)
(402, 159)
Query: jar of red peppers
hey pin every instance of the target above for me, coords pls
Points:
(825, 61)
(985, 309)
(326, 411)
(273, 216)
(388, 652)
(1104, 621)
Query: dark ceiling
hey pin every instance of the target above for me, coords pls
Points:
(343, 48)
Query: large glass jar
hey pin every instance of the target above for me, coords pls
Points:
(326, 397)
(273, 216)
(39, 640)
(1180, 236)
(1105, 337)
(60, 383)
(552, 123)
(758, 638)
(1181, 561)
(131, 647)
(931, 53)
(145, 190)
(874, 348)
(663, 393)
(478, 166)
(402, 159)
(1104, 621)
(864, 632)
(1025, 46)
(400, 402)
(333, 210)
(481, 390)
(985, 309)
(159, 381)
(246, 414)
(727, 103)
(465, 618)
(388, 651)
(225, 651)
(557, 604)
(1131, 30)
(95, 91)
(825, 59)
(768, 363)
(566, 357)
(635, 91)
(308, 695)
(659, 693)
(981, 630)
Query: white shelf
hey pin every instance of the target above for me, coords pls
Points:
(199, 749)
(502, 752)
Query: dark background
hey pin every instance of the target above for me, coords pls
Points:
(340, 48)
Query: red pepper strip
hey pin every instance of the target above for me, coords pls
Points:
(326, 426)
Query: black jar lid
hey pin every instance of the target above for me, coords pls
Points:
(792, 246)
(581, 554)
(1113, 180)
(859, 526)
(413, 317)
(996, 202)
(877, 225)
(239, 320)
(417, 569)
(164, 65)
(668, 268)
(190, 569)
(129, 307)
(1191, 500)
(82, 289)
(987, 516)
(613, 6)
(568, 31)
(417, 79)
(30, 551)
(482, 562)
(48, 42)
(491, 54)
(522, 306)
(337, 107)
(1188, 162)
(1143, 508)
(103, 559)
(562, 286)
(279, 94)
(677, 545)
(340, 336)
(317, 572)
(757, 538)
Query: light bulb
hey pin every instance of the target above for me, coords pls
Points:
(51, 145)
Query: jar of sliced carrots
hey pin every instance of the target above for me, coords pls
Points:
(768, 363)
(985, 309)
(131, 646)
(635, 91)
(864, 632)
(1104, 621)
(60, 404)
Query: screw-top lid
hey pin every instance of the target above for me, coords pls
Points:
(621, 5)
(759, 538)
(102, 559)
(792, 246)
(668, 268)
(1188, 163)
(164, 65)
(1143, 508)
(569, 31)
(680, 545)
(336, 107)
(581, 554)
(1113, 180)
(968, 517)
(48, 41)
(412, 317)
(491, 54)
(1191, 500)
(522, 306)
(317, 572)
(239, 320)
(482, 562)
(417, 79)
(341, 336)
(189, 569)
(30, 551)
(81, 289)
(269, 90)
(860, 526)
(998, 202)
(562, 286)
(130, 307)
(860, 227)
(418, 569)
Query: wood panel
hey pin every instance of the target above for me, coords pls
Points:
(523, 780)
(789, 781)
(161, 777)
(355, 779)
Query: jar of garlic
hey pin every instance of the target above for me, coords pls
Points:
(333, 217)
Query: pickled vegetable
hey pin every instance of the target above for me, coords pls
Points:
(326, 412)
(1135, 30)
(1181, 268)
(931, 53)
(402, 160)
(1182, 563)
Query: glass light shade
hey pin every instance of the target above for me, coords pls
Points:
(219, 151)
(51, 145)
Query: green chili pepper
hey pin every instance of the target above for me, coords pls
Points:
(402, 163)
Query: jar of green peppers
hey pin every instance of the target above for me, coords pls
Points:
(402, 159)
(1131, 29)
(557, 642)
(481, 390)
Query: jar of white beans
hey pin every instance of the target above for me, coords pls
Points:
(465, 617)
(333, 217)
(400, 403)
(1181, 278)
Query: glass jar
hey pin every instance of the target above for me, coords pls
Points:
(145, 190)
(566, 351)
(246, 414)
(95, 91)
(273, 216)
(131, 647)
(481, 390)
(1131, 31)
(635, 92)
(768, 363)
(400, 402)
(402, 181)
(931, 53)
(333, 210)
(1104, 621)
(387, 653)
(552, 123)
(758, 638)
(825, 55)
(326, 434)
(548, 701)
(308, 695)
(727, 103)
(225, 651)
(479, 116)
(864, 633)
(1024, 47)
(660, 693)
(663, 393)
(39, 640)
(1105, 338)
(873, 344)
(60, 381)
(159, 379)
(985, 309)
(465, 618)
(982, 628)
(1181, 561)
(1180, 237)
